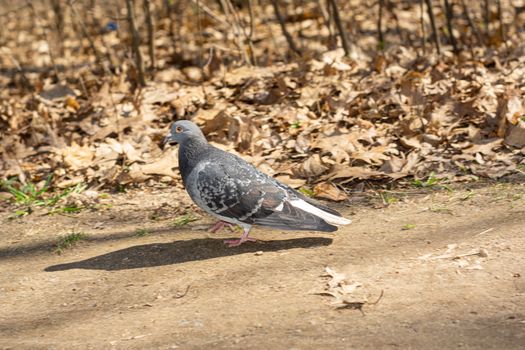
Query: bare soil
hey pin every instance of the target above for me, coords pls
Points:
(450, 266)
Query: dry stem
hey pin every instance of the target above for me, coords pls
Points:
(135, 43)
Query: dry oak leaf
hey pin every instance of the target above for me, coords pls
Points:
(329, 191)
(339, 146)
(77, 157)
(161, 166)
(375, 155)
(312, 167)
(485, 147)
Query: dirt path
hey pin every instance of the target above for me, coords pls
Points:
(453, 277)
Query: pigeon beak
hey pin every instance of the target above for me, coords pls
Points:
(167, 140)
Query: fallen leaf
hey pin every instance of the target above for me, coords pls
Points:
(72, 103)
(312, 167)
(77, 157)
(329, 191)
(163, 165)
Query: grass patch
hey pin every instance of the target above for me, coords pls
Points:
(26, 194)
(308, 192)
(469, 195)
(388, 198)
(69, 241)
(408, 227)
(431, 182)
(185, 219)
(141, 232)
(66, 210)
(296, 124)
(29, 196)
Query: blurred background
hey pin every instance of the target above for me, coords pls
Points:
(325, 95)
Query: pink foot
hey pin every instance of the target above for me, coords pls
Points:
(219, 225)
(238, 242)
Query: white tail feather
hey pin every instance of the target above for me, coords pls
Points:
(329, 218)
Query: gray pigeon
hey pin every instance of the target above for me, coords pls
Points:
(229, 188)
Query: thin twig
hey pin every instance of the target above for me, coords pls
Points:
(423, 32)
(286, 34)
(501, 27)
(380, 37)
(340, 27)
(209, 12)
(435, 33)
(471, 24)
(135, 43)
(151, 30)
(486, 17)
(252, 31)
(36, 20)
(179, 21)
(485, 231)
(327, 22)
(390, 7)
(168, 7)
(58, 12)
(229, 11)
(83, 86)
(76, 15)
(449, 14)
(182, 295)
(201, 38)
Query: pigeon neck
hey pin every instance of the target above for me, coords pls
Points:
(190, 152)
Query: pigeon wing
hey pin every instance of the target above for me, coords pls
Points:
(244, 194)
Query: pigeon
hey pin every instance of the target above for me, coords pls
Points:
(234, 191)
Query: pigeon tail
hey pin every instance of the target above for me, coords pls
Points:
(289, 217)
(317, 204)
(330, 218)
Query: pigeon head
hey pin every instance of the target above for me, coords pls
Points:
(181, 131)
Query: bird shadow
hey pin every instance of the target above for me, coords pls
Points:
(160, 254)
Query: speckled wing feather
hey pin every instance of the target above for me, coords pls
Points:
(234, 189)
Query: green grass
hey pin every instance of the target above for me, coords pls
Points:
(307, 191)
(296, 124)
(388, 198)
(121, 188)
(469, 195)
(28, 196)
(69, 241)
(408, 227)
(431, 182)
(185, 219)
(141, 232)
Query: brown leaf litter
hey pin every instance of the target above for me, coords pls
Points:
(324, 120)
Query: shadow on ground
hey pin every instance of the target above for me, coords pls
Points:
(159, 254)
(50, 244)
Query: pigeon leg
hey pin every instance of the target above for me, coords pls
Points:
(219, 225)
(244, 238)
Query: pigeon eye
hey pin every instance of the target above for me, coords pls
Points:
(178, 129)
